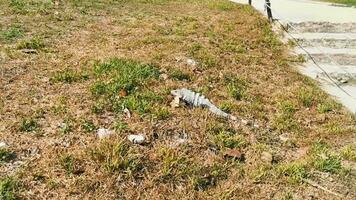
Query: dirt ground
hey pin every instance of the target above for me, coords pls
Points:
(69, 68)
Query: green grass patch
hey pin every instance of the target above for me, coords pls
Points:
(6, 155)
(295, 171)
(34, 43)
(347, 2)
(117, 157)
(12, 33)
(123, 84)
(349, 152)
(69, 76)
(29, 125)
(8, 188)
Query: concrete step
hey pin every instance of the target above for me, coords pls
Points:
(334, 36)
(340, 59)
(331, 43)
(326, 50)
(322, 27)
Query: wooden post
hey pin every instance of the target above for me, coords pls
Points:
(269, 11)
(249, 2)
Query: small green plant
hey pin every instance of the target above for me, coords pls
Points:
(162, 113)
(235, 86)
(121, 84)
(8, 188)
(66, 127)
(180, 75)
(284, 120)
(205, 177)
(349, 152)
(120, 126)
(175, 165)
(18, 5)
(306, 97)
(327, 106)
(12, 33)
(70, 164)
(225, 139)
(6, 155)
(68, 76)
(28, 125)
(327, 162)
(116, 156)
(34, 43)
(226, 107)
(88, 126)
(295, 171)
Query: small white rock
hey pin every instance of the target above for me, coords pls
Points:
(191, 62)
(104, 133)
(267, 157)
(136, 139)
(3, 145)
(127, 112)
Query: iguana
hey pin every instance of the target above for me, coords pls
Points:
(198, 100)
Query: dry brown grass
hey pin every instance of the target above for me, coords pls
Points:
(49, 114)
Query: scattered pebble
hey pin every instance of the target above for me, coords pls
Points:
(283, 138)
(104, 133)
(164, 76)
(136, 139)
(127, 113)
(3, 145)
(267, 157)
(191, 62)
(234, 153)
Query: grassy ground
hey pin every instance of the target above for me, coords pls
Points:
(347, 2)
(71, 67)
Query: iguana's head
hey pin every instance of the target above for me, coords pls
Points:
(178, 92)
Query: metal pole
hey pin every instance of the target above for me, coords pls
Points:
(269, 11)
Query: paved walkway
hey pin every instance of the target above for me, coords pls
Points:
(328, 33)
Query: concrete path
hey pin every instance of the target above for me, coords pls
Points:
(327, 32)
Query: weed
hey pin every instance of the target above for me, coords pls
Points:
(235, 86)
(349, 152)
(323, 159)
(88, 126)
(120, 126)
(327, 106)
(175, 166)
(221, 5)
(66, 127)
(295, 171)
(226, 107)
(12, 33)
(70, 165)
(202, 54)
(98, 107)
(128, 76)
(162, 113)
(306, 97)
(327, 162)
(206, 177)
(28, 125)
(6, 155)
(284, 120)
(34, 43)
(116, 156)
(18, 5)
(8, 188)
(68, 76)
(180, 76)
(225, 139)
